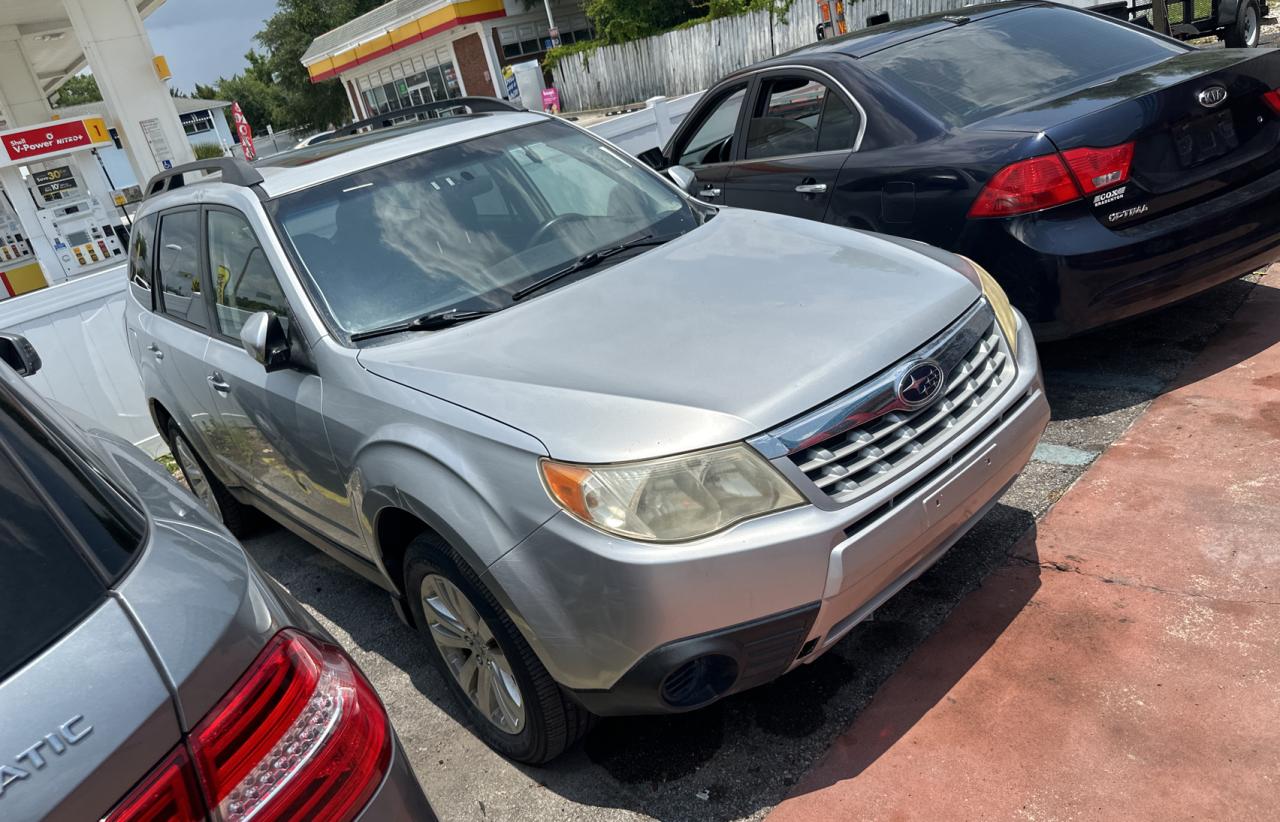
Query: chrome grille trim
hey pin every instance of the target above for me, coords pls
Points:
(867, 438)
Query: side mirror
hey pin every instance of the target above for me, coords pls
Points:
(682, 177)
(653, 158)
(264, 338)
(19, 354)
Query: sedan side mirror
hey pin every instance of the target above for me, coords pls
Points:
(19, 354)
(263, 336)
(682, 177)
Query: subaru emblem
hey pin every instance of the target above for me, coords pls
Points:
(920, 384)
(1212, 97)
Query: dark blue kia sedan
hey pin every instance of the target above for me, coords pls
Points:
(1098, 170)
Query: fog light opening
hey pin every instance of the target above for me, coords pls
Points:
(699, 681)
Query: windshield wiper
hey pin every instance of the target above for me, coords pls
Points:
(427, 322)
(587, 261)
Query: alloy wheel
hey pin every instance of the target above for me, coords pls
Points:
(1251, 28)
(196, 478)
(472, 654)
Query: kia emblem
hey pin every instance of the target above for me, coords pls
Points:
(1212, 97)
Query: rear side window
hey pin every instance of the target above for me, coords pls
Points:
(178, 271)
(46, 586)
(798, 115)
(1001, 63)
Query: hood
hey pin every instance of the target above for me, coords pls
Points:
(722, 333)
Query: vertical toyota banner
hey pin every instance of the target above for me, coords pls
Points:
(246, 133)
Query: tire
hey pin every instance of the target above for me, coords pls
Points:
(550, 722)
(236, 517)
(1246, 31)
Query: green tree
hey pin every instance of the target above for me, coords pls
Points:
(204, 92)
(617, 21)
(285, 38)
(81, 88)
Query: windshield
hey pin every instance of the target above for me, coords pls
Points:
(997, 64)
(467, 226)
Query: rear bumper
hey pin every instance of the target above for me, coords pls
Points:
(614, 621)
(1068, 273)
(399, 796)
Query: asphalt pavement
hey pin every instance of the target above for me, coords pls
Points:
(740, 757)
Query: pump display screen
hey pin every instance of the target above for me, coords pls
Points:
(78, 237)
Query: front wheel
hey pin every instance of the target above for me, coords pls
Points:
(1246, 31)
(514, 704)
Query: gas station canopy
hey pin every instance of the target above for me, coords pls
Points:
(47, 39)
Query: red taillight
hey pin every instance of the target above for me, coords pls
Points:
(302, 735)
(168, 794)
(1024, 186)
(1099, 168)
(1272, 99)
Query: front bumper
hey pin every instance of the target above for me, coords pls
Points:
(611, 619)
(1068, 273)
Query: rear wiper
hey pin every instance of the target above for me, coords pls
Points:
(587, 261)
(427, 322)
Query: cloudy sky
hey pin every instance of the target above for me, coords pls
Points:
(206, 39)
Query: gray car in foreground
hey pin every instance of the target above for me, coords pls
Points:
(611, 449)
(148, 670)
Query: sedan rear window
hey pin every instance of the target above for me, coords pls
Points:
(1001, 63)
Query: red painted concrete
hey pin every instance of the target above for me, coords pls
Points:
(1126, 663)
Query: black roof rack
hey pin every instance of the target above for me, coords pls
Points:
(234, 170)
(474, 104)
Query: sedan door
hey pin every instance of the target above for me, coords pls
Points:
(706, 142)
(798, 134)
(270, 435)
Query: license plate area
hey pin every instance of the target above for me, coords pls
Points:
(1205, 138)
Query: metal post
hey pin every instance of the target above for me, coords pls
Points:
(552, 31)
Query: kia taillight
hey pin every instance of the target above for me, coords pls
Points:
(1051, 180)
(301, 735)
(1025, 186)
(1099, 168)
(1272, 99)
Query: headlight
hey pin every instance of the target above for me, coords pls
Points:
(1000, 304)
(674, 498)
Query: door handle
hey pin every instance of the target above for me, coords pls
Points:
(709, 193)
(219, 384)
(155, 351)
(812, 188)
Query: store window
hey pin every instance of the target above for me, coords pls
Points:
(532, 38)
(197, 122)
(418, 81)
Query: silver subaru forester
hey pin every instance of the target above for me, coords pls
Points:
(613, 450)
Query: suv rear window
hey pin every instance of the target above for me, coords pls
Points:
(46, 587)
(1001, 63)
(57, 561)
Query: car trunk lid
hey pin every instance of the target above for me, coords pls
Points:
(1199, 124)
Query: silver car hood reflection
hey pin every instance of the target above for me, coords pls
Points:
(727, 331)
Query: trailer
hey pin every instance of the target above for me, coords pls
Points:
(1238, 22)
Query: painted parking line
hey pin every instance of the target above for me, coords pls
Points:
(1063, 454)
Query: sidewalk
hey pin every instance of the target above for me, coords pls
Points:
(1125, 663)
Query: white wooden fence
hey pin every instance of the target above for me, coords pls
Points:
(690, 59)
